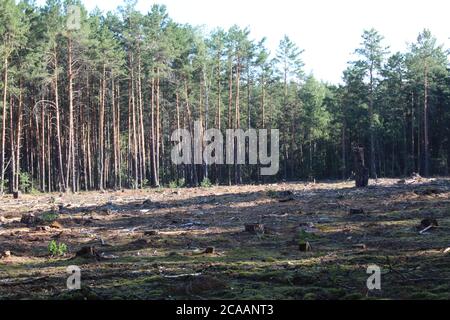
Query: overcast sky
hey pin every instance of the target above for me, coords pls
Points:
(328, 30)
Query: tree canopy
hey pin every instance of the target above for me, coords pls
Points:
(93, 108)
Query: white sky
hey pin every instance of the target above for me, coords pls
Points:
(328, 30)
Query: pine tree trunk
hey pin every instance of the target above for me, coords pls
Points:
(158, 128)
(178, 173)
(101, 129)
(12, 184)
(230, 106)
(413, 148)
(205, 80)
(237, 175)
(62, 181)
(118, 139)
(193, 178)
(425, 125)
(71, 158)
(141, 127)
(218, 169)
(5, 93)
(373, 172)
(361, 171)
(43, 166)
(134, 134)
(263, 121)
(344, 161)
(19, 137)
(153, 135)
(49, 153)
(115, 142)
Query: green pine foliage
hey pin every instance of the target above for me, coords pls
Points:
(135, 77)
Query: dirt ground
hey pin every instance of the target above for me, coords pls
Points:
(192, 243)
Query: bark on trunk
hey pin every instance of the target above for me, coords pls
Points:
(361, 171)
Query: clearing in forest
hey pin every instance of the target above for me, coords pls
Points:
(193, 243)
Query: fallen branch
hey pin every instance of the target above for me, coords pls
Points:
(426, 229)
(182, 275)
(7, 282)
(427, 279)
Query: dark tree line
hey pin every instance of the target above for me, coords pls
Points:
(93, 107)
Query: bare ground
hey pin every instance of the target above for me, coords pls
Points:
(150, 244)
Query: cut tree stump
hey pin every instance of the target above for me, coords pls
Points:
(56, 225)
(304, 246)
(427, 224)
(254, 228)
(286, 199)
(361, 171)
(209, 250)
(87, 252)
(16, 194)
(43, 228)
(5, 254)
(285, 196)
(151, 233)
(139, 244)
(147, 202)
(428, 192)
(356, 211)
(30, 219)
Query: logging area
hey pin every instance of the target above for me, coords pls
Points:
(245, 242)
(88, 105)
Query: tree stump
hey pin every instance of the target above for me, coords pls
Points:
(30, 220)
(87, 252)
(254, 228)
(209, 250)
(151, 233)
(361, 171)
(427, 223)
(304, 246)
(356, 211)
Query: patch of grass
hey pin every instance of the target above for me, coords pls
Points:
(304, 237)
(425, 296)
(310, 296)
(49, 216)
(272, 193)
(353, 296)
(35, 192)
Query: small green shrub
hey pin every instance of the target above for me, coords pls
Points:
(206, 183)
(304, 237)
(35, 192)
(57, 249)
(173, 185)
(24, 182)
(181, 183)
(177, 184)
